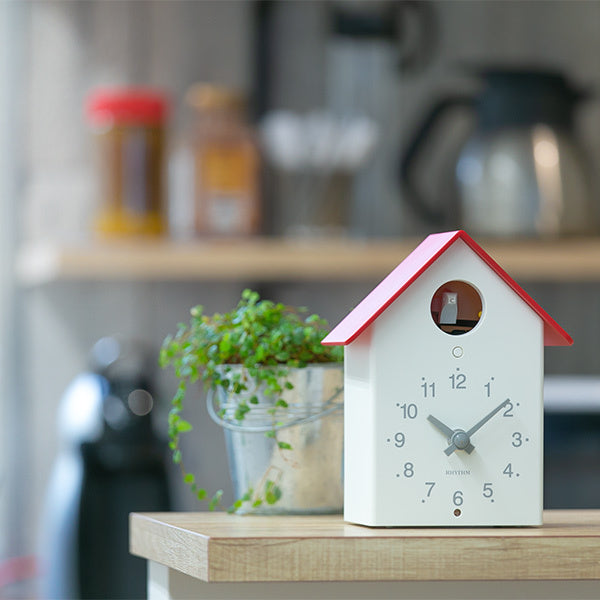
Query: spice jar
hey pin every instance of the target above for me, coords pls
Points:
(129, 127)
(226, 163)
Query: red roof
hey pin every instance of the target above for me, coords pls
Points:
(417, 262)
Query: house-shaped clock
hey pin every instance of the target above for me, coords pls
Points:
(443, 393)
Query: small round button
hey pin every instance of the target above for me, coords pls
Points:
(457, 351)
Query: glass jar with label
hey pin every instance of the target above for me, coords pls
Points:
(129, 127)
(226, 163)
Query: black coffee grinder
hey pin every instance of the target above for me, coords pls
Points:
(110, 463)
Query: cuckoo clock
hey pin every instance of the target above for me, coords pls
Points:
(443, 393)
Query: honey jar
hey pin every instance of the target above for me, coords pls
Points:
(226, 163)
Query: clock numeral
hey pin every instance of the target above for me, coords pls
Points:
(508, 470)
(488, 387)
(428, 388)
(430, 485)
(517, 439)
(409, 411)
(488, 492)
(399, 439)
(409, 469)
(458, 381)
(508, 411)
(458, 498)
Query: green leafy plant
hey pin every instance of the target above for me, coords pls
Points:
(266, 339)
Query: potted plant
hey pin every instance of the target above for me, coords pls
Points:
(276, 391)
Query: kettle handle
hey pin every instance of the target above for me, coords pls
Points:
(412, 195)
(416, 34)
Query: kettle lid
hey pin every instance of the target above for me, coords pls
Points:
(521, 96)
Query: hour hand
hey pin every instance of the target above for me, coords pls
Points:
(441, 426)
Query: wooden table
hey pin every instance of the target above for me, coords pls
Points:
(213, 555)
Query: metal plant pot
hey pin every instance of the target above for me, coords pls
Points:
(310, 475)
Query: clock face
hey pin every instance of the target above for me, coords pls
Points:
(463, 446)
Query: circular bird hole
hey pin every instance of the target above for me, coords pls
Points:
(456, 307)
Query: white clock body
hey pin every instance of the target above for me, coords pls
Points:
(403, 369)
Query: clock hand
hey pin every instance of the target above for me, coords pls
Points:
(456, 436)
(441, 426)
(476, 427)
(487, 417)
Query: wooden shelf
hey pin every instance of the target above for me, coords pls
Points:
(273, 259)
(217, 547)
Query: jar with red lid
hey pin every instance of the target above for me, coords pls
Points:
(129, 127)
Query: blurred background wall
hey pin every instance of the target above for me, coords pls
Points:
(54, 53)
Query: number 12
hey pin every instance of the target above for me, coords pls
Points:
(459, 381)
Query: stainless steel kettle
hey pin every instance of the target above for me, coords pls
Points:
(521, 172)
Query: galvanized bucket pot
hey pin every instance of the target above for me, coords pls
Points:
(308, 479)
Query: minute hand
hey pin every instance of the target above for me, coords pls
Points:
(482, 422)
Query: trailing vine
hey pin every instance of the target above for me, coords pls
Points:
(266, 339)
